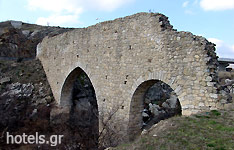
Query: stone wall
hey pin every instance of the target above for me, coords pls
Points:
(126, 56)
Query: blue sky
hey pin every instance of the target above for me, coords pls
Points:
(213, 19)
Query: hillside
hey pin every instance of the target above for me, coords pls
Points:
(25, 104)
(19, 40)
(25, 96)
(209, 130)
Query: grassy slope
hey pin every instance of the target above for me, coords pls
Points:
(211, 130)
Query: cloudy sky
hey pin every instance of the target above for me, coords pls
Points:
(213, 19)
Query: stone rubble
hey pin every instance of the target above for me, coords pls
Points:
(5, 80)
(160, 103)
(18, 90)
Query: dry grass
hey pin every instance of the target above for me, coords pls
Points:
(211, 130)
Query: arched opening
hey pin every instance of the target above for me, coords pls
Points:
(152, 101)
(78, 93)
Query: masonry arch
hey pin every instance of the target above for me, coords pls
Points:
(139, 106)
(128, 52)
(67, 87)
(78, 93)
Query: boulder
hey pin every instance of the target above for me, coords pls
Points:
(5, 80)
(154, 109)
(144, 114)
(19, 90)
(172, 101)
(26, 32)
(165, 105)
(16, 24)
(158, 93)
(229, 82)
(161, 102)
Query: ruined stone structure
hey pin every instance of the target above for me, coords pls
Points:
(126, 56)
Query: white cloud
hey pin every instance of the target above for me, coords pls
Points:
(185, 4)
(219, 43)
(189, 12)
(58, 20)
(232, 48)
(105, 5)
(223, 49)
(189, 7)
(216, 5)
(64, 11)
(75, 5)
(58, 6)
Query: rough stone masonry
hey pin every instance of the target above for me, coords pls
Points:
(126, 56)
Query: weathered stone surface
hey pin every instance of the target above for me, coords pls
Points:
(5, 80)
(19, 40)
(124, 57)
(26, 32)
(172, 101)
(154, 109)
(16, 24)
(160, 108)
(18, 90)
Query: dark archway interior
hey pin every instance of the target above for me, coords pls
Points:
(84, 111)
(160, 102)
(152, 101)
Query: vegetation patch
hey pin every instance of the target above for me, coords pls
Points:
(212, 130)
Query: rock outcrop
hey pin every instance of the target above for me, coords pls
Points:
(160, 103)
(23, 90)
(19, 40)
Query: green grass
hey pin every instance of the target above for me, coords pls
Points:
(212, 130)
(215, 113)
